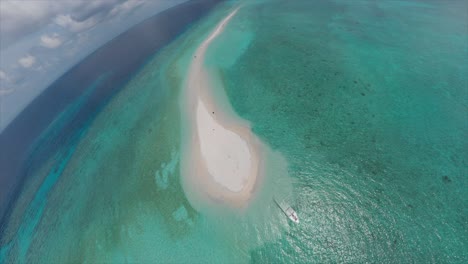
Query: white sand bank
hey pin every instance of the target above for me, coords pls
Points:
(223, 159)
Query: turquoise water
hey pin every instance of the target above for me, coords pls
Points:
(366, 102)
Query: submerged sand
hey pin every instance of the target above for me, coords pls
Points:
(223, 159)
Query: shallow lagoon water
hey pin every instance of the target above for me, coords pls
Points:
(365, 101)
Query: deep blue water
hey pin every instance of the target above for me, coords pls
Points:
(33, 136)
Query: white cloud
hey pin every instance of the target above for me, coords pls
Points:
(51, 42)
(20, 18)
(4, 76)
(66, 21)
(5, 91)
(16, 15)
(27, 61)
(125, 7)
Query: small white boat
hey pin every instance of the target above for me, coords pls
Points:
(288, 211)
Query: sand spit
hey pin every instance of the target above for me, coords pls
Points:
(223, 159)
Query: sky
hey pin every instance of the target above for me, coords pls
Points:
(41, 39)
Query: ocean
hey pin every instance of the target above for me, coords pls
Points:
(365, 101)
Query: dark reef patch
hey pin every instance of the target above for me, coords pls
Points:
(446, 179)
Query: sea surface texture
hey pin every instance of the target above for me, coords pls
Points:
(365, 101)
